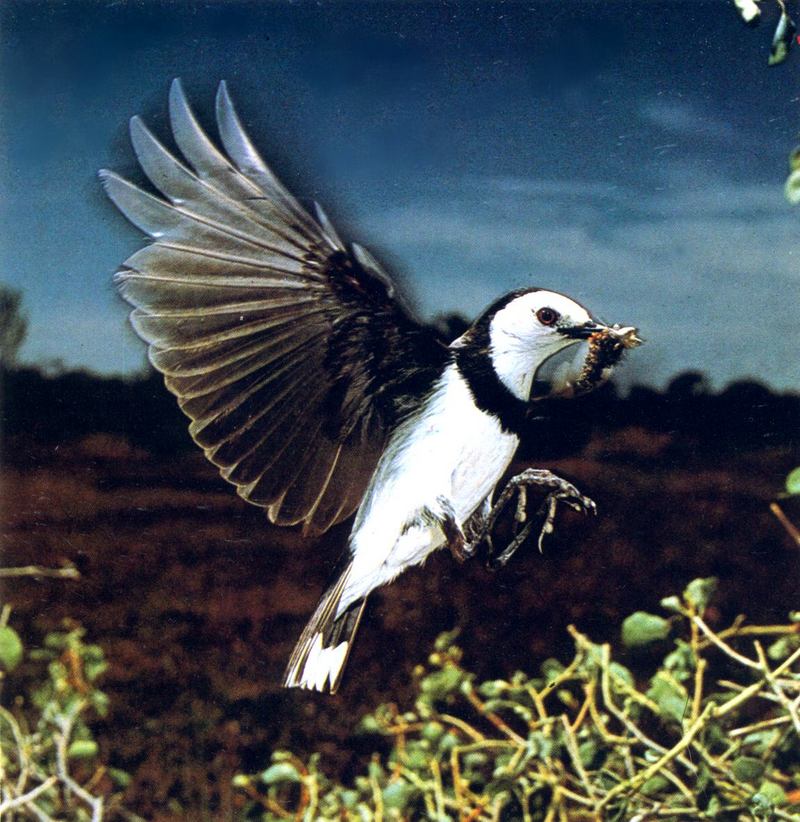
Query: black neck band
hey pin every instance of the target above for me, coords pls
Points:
(490, 394)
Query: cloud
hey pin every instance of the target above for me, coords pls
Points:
(710, 272)
(680, 118)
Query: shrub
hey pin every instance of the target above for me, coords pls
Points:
(712, 733)
(48, 756)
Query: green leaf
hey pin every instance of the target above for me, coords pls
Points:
(759, 742)
(416, 758)
(773, 793)
(10, 648)
(793, 480)
(748, 769)
(680, 662)
(492, 688)
(82, 749)
(641, 628)
(587, 751)
(440, 684)
(699, 592)
(446, 639)
(368, 725)
(672, 603)
(398, 794)
(620, 672)
(551, 669)
(123, 778)
(280, 772)
(55, 640)
(447, 743)
(669, 695)
(654, 785)
(748, 11)
(783, 39)
(349, 799)
(783, 647)
(432, 731)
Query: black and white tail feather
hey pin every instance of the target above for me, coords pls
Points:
(320, 655)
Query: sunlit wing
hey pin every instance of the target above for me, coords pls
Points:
(288, 351)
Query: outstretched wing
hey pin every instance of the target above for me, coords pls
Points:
(290, 353)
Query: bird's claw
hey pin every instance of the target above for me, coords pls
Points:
(577, 501)
(561, 491)
(461, 550)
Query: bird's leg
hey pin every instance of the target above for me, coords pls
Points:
(559, 491)
(475, 531)
(445, 518)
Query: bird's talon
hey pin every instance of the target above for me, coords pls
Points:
(462, 551)
(520, 514)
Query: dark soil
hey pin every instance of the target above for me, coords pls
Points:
(198, 601)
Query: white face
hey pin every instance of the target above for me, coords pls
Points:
(529, 330)
(535, 319)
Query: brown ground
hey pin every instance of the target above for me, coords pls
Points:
(197, 601)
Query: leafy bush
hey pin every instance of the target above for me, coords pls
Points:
(713, 733)
(48, 755)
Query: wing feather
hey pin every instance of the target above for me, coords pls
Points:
(239, 148)
(186, 265)
(185, 362)
(199, 329)
(290, 354)
(178, 225)
(183, 188)
(282, 440)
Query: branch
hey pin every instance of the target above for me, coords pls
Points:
(68, 572)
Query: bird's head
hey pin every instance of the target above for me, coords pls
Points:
(524, 329)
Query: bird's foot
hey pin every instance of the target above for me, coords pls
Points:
(445, 518)
(559, 491)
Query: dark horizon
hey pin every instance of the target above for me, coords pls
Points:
(76, 405)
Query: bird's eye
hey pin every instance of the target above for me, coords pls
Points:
(547, 316)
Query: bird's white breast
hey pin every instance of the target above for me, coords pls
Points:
(449, 450)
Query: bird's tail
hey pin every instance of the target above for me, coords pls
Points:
(321, 653)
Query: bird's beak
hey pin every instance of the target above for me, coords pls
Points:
(628, 335)
(583, 331)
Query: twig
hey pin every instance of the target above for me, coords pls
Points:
(759, 726)
(605, 689)
(377, 796)
(68, 572)
(438, 791)
(791, 708)
(698, 688)
(723, 646)
(497, 721)
(574, 754)
(465, 727)
(27, 798)
(791, 530)
(642, 777)
(62, 740)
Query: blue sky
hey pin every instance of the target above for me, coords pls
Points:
(630, 154)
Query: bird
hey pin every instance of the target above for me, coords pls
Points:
(312, 386)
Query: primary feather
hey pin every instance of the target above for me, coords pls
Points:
(288, 352)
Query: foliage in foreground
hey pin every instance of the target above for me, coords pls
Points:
(48, 756)
(714, 733)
